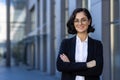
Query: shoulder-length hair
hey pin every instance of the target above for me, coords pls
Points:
(70, 23)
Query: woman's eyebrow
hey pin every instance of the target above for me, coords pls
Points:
(81, 18)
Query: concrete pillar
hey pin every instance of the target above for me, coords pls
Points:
(35, 38)
(106, 39)
(50, 37)
(38, 35)
(44, 37)
(43, 45)
(8, 53)
(115, 38)
(61, 15)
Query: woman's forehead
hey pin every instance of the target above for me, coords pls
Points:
(80, 15)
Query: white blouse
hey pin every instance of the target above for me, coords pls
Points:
(81, 53)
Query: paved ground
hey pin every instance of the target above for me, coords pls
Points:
(22, 73)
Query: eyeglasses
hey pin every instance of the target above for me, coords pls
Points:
(83, 21)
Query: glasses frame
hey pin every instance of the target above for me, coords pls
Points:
(82, 21)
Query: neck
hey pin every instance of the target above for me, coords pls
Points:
(82, 36)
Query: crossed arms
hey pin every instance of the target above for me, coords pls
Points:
(90, 68)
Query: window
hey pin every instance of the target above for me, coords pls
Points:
(32, 14)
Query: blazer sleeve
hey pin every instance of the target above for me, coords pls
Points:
(97, 70)
(68, 66)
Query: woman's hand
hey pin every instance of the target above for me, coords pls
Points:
(64, 58)
(91, 64)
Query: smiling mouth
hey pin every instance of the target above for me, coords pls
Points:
(80, 27)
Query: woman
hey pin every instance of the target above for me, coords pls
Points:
(80, 57)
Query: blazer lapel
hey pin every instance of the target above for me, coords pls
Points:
(90, 49)
(73, 45)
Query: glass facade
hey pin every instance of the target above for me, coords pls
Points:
(17, 27)
(2, 27)
(18, 19)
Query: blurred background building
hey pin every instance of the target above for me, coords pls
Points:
(38, 27)
(2, 28)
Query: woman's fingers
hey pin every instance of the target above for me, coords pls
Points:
(64, 58)
(91, 64)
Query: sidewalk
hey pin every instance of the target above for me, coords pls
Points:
(22, 73)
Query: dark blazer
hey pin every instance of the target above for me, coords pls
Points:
(70, 70)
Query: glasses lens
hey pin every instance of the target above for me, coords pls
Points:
(83, 21)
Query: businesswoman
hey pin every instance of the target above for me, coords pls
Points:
(80, 57)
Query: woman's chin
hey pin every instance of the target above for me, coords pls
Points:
(82, 31)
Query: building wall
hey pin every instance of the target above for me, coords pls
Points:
(50, 28)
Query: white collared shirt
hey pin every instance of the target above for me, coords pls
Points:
(81, 53)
